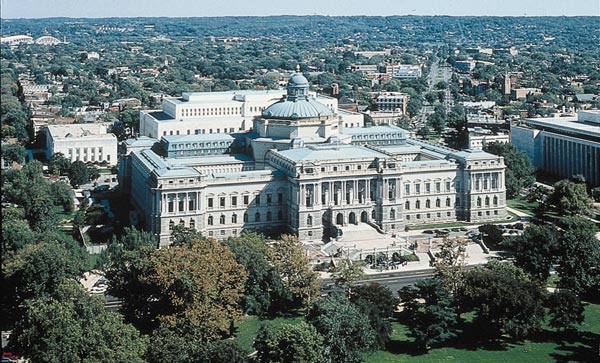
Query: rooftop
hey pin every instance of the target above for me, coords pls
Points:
(328, 152)
(80, 130)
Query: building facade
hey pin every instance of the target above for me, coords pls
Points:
(84, 142)
(299, 170)
(562, 146)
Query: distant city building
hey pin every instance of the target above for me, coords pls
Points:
(391, 101)
(521, 93)
(300, 170)
(562, 146)
(479, 138)
(16, 40)
(84, 142)
(372, 53)
(407, 71)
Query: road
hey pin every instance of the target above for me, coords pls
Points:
(438, 72)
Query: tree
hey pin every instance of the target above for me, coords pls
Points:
(78, 173)
(519, 170)
(291, 343)
(430, 313)
(535, 251)
(450, 264)
(16, 232)
(197, 287)
(491, 234)
(566, 309)
(93, 173)
(579, 259)
(289, 257)
(348, 273)
(58, 164)
(378, 303)
(570, 198)
(264, 292)
(504, 299)
(346, 331)
(72, 326)
(182, 235)
(62, 194)
(14, 152)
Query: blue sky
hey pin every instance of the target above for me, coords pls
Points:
(183, 8)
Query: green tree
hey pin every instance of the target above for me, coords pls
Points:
(429, 310)
(78, 173)
(519, 170)
(579, 259)
(535, 251)
(566, 309)
(570, 198)
(59, 164)
(72, 326)
(264, 292)
(14, 152)
(289, 257)
(197, 286)
(378, 303)
(62, 194)
(345, 330)
(492, 235)
(450, 264)
(182, 235)
(505, 300)
(348, 273)
(16, 232)
(291, 343)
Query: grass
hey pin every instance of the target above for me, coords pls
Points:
(547, 346)
(513, 218)
(523, 205)
(245, 331)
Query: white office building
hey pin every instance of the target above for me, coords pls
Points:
(85, 142)
(562, 146)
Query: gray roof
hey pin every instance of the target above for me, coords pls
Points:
(328, 152)
(198, 138)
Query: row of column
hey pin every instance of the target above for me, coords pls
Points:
(311, 192)
(186, 197)
(566, 158)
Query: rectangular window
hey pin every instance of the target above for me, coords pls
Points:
(257, 200)
(222, 202)
(447, 186)
(279, 198)
(234, 201)
(181, 205)
(438, 187)
(210, 203)
(246, 200)
(427, 187)
(407, 189)
(418, 188)
(192, 204)
(171, 206)
(269, 198)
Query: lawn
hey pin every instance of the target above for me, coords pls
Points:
(547, 346)
(245, 331)
(523, 205)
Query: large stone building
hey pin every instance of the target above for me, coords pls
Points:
(298, 169)
(562, 146)
(84, 142)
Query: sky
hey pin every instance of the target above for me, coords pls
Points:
(11, 9)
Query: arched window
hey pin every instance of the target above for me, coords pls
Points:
(210, 220)
(373, 215)
(487, 201)
(192, 223)
(438, 203)
(171, 225)
(222, 219)
(495, 200)
(234, 218)
(427, 203)
(479, 201)
(448, 201)
(245, 217)
(407, 205)
(269, 216)
(418, 204)
(392, 214)
(309, 221)
(257, 217)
